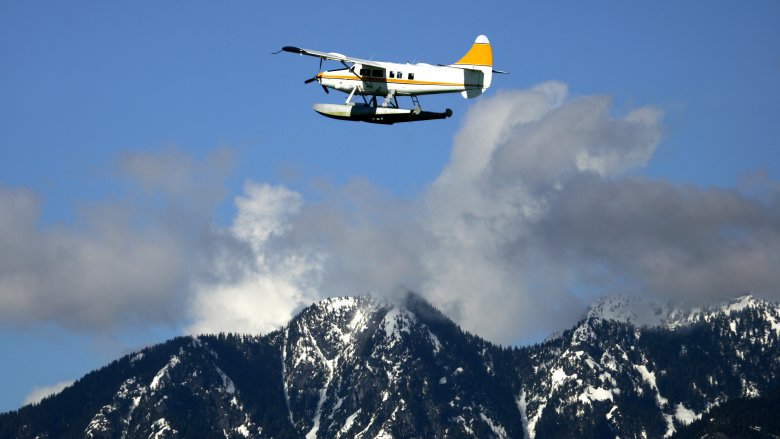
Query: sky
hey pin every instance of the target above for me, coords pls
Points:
(161, 173)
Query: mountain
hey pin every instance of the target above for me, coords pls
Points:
(369, 368)
(607, 377)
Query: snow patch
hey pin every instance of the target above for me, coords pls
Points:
(685, 415)
(383, 435)
(397, 321)
(558, 377)
(164, 372)
(227, 383)
(649, 377)
(739, 304)
(348, 423)
(522, 405)
(335, 304)
(242, 430)
(435, 341)
(532, 422)
(582, 334)
(284, 374)
(497, 428)
(371, 422)
(460, 420)
(598, 394)
(670, 430)
(160, 428)
(749, 389)
(773, 321)
(330, 365)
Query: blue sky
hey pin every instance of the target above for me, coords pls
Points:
(85, 85)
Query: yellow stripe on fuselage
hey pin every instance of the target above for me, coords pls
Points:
(394, 81)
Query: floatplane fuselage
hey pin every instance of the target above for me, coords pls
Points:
(470, 76)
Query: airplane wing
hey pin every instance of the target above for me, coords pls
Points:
(333, 56)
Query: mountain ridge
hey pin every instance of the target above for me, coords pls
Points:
(366, 367)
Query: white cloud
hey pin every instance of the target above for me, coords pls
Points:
(82, 278)
(676, 242)
(466, 243)
(535, 214)
(124, 261)
(38, 393)
(257, 291)
(515, 153)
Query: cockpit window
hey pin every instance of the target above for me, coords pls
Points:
(377, 73)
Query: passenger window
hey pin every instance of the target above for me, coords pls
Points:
(411, 75)
(392, 74)
(377, 73)
(400, 75)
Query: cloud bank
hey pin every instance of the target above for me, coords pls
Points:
(539, 209)
(122, 262)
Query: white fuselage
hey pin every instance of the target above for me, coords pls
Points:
(406, 79)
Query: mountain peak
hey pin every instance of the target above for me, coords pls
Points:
(366, 366)
(745, 301)
(642, 311)
(633, 309)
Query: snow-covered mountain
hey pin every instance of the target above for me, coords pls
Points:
(367, 368)
(611, 377)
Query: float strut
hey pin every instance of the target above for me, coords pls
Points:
(349, 98)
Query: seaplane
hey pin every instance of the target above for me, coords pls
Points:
(470, 76)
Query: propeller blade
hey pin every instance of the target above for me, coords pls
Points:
(326, 89)
(310, 80)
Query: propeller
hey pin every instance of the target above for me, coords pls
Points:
(310, 80)
(317, 76)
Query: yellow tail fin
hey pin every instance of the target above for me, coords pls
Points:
(480, 54)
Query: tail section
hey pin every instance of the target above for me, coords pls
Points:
(480, 54)
(478, 63)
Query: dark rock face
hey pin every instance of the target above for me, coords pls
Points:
(365, 368)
